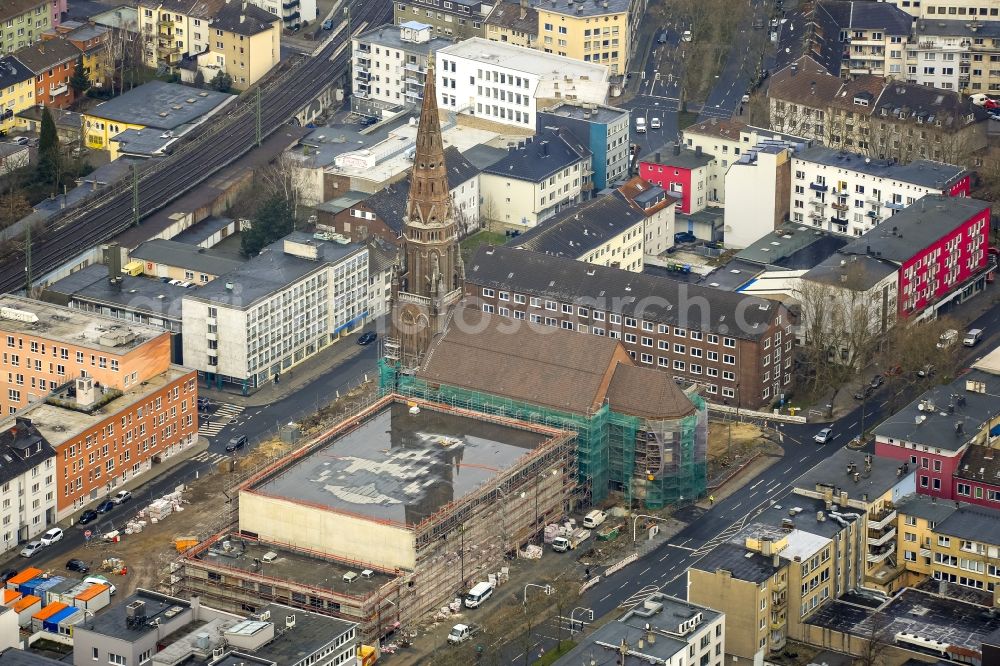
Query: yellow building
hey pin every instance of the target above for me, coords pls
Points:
(599, 32)
(168, 108)
(171, 29)
(245, 44)
(22, 22)
(17, 91)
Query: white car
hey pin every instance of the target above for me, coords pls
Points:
(122, 496)
(654, 123)
(21, 140)
(824, 435)
(31, 548)
(686, 36)
(640, 125)
(101, 580)
(53, 535)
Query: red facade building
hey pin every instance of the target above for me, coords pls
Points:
(682, 173)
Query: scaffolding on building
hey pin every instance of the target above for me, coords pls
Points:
(657, 463)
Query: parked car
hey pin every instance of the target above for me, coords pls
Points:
(864, 392)
(122, 496)
(745, 99)
(328, 24)
(21, 140)
(78, 566)
(947, 338)
(686, 36)
(101, 580)
(654, 123)
(88, 516)
(684, 237)
(51, 536)
(31, 548)
(236, 443)
(973, 337)
(662, 39)
(105, 506)
(7, 574)
(594, 518)
(926, 371)
(367, 338)
(877, 381)
(824, 435)
(462, 632)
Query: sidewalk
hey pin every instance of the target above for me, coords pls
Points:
(297, 377)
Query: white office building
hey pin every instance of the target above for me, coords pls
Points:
(283, 306)
(389, 64)
(504, 83)
(849, 193)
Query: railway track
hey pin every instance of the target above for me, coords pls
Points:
(221, 144)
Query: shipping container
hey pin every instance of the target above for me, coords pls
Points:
(39, 618)
(25, 608)
(31, 572)
(94, 598)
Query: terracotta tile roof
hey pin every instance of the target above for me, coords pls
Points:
(12, 8)
(804, 82)
(42, 56)
(638, 190)
(532, 363)
(647, 392)
(720, 127)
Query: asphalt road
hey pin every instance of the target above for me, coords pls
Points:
(740, 70)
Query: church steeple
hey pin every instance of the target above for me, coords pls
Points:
(430, 278)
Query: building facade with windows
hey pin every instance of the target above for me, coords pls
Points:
(389, 64)
(283, 306)
(27, 484)
(956, 54)
(245, 43)
(850, 193)
(291, 13)
(859, 38)
(507, 84)
(52, 62)
(513, 23)
(962, 10)
(22, 22)
(737, 347)
(17, 91)
(598, 32)
(451, 19)
(171, 29)
(605, 131)
(683, 173)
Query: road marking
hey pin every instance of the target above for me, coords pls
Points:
(884, 403)
(623, 585)
(738, 505)
(671, 545)
(787, 470)
(684, 542)
(605, 596)
(853, 424)
(663, 558)
(803, 458)
(756, 484)
(643, 572)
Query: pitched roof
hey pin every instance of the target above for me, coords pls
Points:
(647, 197)
(805, 82)
(536, 158)
(834, 16)
(632, 294)
(45, 55)
(515, 17)
(12, 71)
(540, 365)
(722, 128)
(195, 8)
(12, 8)
(974, 523)
(247, 20)
(580, 229)
(928, 105)
(980, 463)
(926, 173)
(647, 392)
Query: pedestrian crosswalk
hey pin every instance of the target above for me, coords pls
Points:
(211, 424)
(209, 457)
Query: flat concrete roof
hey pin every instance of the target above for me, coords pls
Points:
(69, 326)
(327, 574)
(832, 471)
(523, 59)
(161, 105)
(402, 467)
(135, 294)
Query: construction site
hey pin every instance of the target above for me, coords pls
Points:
(388, 515)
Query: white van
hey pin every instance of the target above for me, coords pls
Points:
(478, 594)
(594, 518)
(640, 125)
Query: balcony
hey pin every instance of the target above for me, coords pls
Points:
(925, 552)
(414, 67)
(292, 4)
(164, 50)
(166, 30)
(55, 91)
(817, 187)
(839, 205)
(362, 75)
(415, 83)
(778, 624)
(894, 205)
(885, 538)
(875, 558)
(817, 203)
(882, 519)
(778, 640)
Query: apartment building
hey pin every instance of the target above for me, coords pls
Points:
(292, 13)
(455, 20)
(390, 66)
(508, 84)
(855, 38)
(876, 117)
(604, 130)
(598, 32)
(961, 55)
(514, 23)
(52, 62)
(92, 40)
(27, 484)
(849, 193)
(172, 29)
(245, 43)
(17, 91)
(47, 346)
(758, 180)
(692, 332)
(537, 178)
(962, 10)
(281, 307)
(658, 208)
(683, 173)
(608, 231)
(22, 22)
(661, 630)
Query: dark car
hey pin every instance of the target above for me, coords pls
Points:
(368, 120)
(105, 506)
(864, 392)
(662, 39)
(88, 516)
(877, 381)
(203, 403)
(78, 566)
(7, 574)
(684, 237)
(367, 338)
(236, 443)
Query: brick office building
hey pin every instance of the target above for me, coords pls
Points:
(44, 346)
(738, 347)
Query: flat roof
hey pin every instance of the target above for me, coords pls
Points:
(742, 564)
(70, 326)
(832, 471)
(400, 466)
(925, 173)
(793, 247)
(390, 36)
(162, 105)
(135, 294)
(684, 158)
(799, 513)
(581, 8)
(990, 362)
(184, 255)
(202, 231)
(60, 424)
(591, 113)
(111, 622)
(144, 143)
(290, 564)
(523, 59)
(931, 419)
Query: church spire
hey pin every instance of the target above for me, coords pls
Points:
(429, 201)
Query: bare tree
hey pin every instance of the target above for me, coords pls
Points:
(876, 642)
